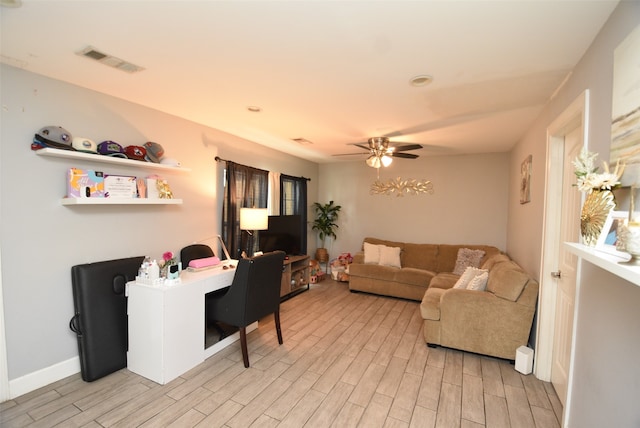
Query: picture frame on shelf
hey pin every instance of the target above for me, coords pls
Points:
(609, 236)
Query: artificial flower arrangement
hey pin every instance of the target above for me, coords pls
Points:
(168, 259)
(588, 177)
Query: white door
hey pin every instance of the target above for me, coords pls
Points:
(567, 263)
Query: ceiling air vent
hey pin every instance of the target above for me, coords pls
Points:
(111, 61)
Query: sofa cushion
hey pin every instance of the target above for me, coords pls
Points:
(413, 276)
(384, 273)
(492, 260)
(420, 256)
(507, 280)
(467, 257)
(430, 305)
(390, 256)
(444, 280)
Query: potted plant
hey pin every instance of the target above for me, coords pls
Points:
(324, 223)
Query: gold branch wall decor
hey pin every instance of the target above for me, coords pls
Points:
(401, 187)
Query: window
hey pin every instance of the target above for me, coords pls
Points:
(293, 201)
(244, 187)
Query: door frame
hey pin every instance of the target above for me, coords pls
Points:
(576, 115)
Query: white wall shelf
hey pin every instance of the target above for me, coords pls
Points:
(119, 201)
(606, 261)
(69, 154)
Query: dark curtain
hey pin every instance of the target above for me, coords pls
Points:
(293, 201)
(246, 187)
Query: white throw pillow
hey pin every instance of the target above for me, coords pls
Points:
(467, 257)
(390, 256)
(371, 253)
(465, 278)
(479, 282)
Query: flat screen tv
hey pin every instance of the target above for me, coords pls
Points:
(285, 233)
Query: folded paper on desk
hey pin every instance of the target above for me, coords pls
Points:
(206, 262)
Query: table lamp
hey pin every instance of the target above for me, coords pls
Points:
(252, 219)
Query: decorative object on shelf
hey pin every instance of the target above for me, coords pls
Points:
(120, 186)
(168, 259)
(600, 200)
(325, 224)
(613, 236)
(401, 187)
(164, 191)
(525, 180)
(595, 212)
(630, 242)
(85, 183)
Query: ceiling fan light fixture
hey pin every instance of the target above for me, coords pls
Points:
(386, 160)
(374, 161)
(421, 80)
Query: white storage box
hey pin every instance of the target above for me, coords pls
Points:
(524, 360)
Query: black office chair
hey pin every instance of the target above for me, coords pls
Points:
(253, 294)
(194, 252)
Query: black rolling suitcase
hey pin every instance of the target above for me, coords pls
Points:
(100, 320)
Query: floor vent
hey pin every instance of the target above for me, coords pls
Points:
(111, 61)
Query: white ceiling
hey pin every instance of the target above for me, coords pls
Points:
(331, 72)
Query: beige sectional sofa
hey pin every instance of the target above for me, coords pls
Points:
(419, 264)
(494, 321)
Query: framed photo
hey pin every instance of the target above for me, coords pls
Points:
(525, 180)
(609, 236)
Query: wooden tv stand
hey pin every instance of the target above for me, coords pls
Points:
(295, 276)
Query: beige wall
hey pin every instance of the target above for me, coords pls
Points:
(469, 204)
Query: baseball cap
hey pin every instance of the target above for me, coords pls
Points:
(154, 151)
(111, 148)
(82, 144)
(52, 136)
(135, 152)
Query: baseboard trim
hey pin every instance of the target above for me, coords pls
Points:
(43, 377)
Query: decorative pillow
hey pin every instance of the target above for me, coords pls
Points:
(479, 282)
(467, 257)
(371, 253)
(390, 256)
(465, 278)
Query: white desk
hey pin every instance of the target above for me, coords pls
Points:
(167, 324)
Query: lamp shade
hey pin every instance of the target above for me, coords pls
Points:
(254, 219)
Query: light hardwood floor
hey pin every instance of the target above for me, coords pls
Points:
(348, 359)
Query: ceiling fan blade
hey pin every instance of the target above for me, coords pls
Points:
(363, 146)
(404, 155)
(352, 154)
(403, 147)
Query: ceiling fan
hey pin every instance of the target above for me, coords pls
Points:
(382, 151)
